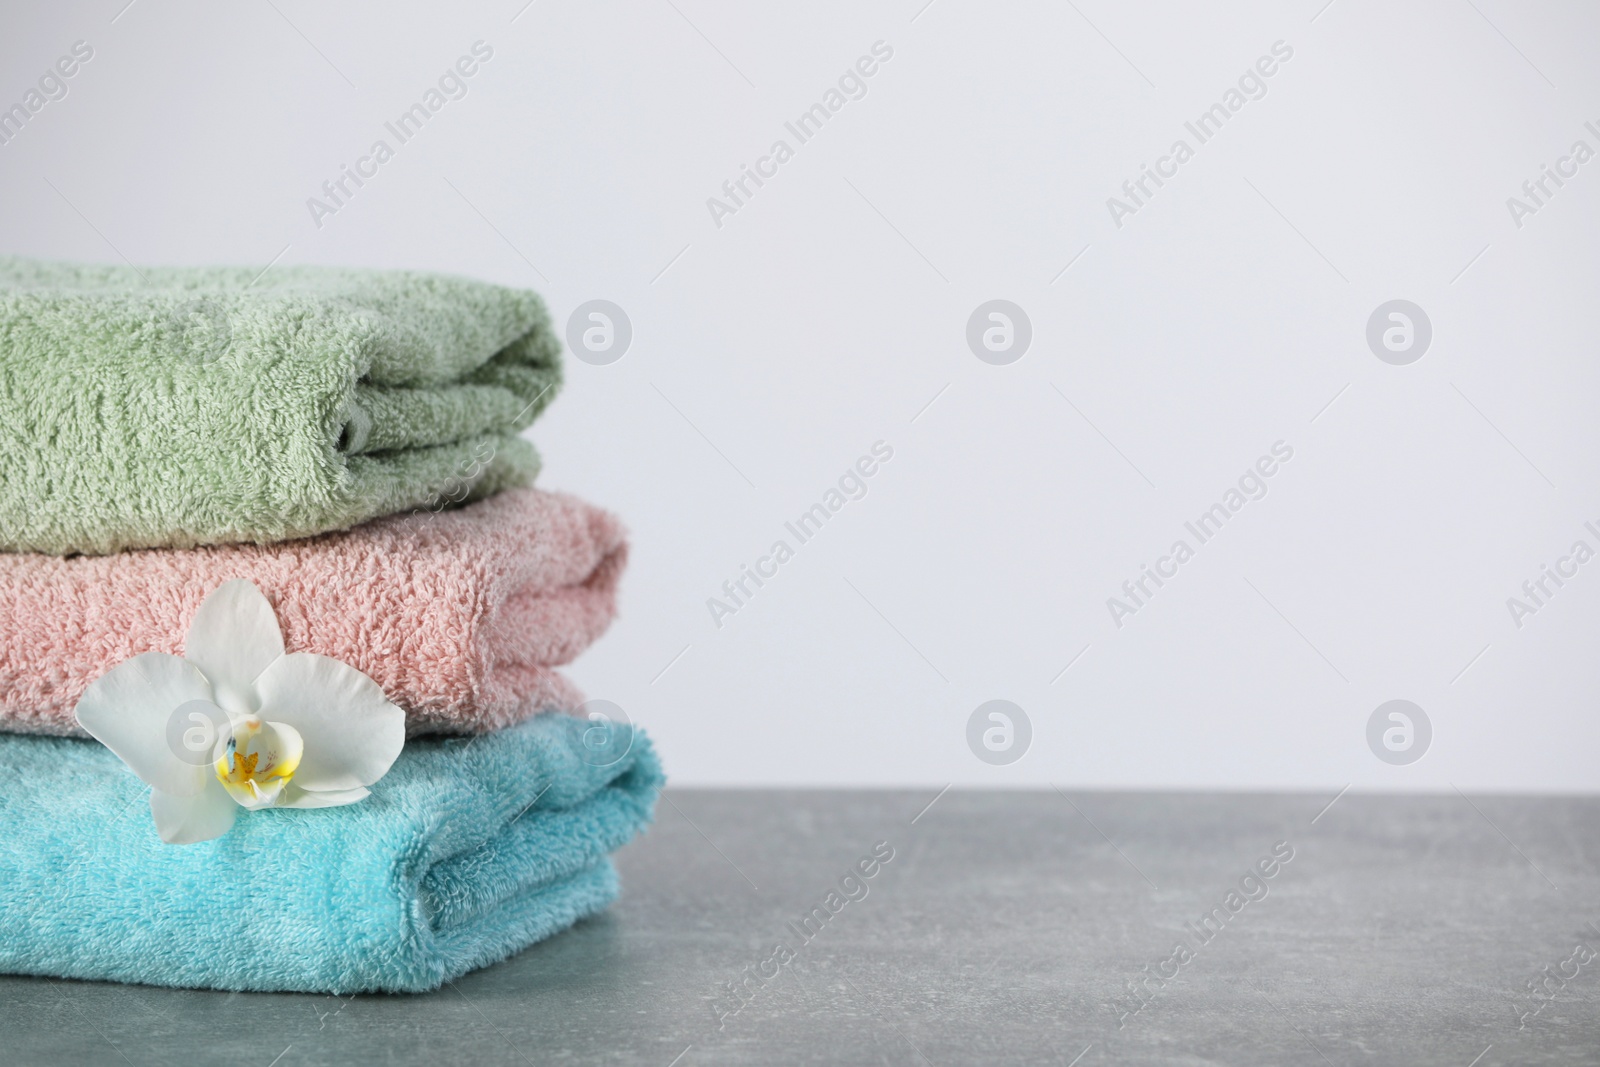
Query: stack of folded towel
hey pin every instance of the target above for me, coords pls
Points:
(283, 615)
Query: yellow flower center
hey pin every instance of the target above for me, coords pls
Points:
(258, 760)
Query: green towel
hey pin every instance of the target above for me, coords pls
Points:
(180, 406)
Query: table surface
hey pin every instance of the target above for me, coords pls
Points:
(1006, 928)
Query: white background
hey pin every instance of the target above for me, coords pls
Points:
(824, 316)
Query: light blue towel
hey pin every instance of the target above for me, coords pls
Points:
(468, 851)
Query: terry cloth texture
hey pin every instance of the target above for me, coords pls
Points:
(180, 406)
(461, 616)
(466, 852)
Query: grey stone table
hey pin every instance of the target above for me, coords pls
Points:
(1006, 928)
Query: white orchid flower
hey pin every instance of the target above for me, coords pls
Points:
(238, 723)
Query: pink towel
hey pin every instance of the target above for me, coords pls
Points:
(461, 616)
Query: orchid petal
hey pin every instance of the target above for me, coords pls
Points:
(295, 797)
(188, 820)
(129, 708)
(352, 733)
(233, 636)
